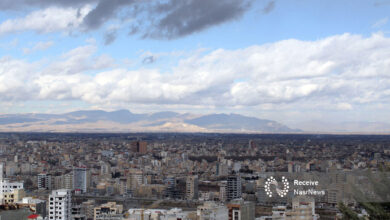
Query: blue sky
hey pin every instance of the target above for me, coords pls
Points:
(291, 61)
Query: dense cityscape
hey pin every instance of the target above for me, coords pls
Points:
(192, 176)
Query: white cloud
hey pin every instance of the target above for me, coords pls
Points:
(344, 106)
(336, 72)
(79, 60)
(15, 79)
(47, 20)
(380, 23)
(38, 47)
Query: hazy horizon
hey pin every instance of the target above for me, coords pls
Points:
(124, 120)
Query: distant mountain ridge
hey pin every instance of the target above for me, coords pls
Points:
(126, 121)
(237, 122)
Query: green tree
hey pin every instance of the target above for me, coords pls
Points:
(348, 214)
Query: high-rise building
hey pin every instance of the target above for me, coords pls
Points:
(234, 186)
(192, 187)
(136, 178)
(80, 182)
(222, 191)
(60, 205)
(44, 181)
(222, 169)
(122, 185)
(58, 182)
(67, 181)
(140, 147)
(105, 169)
(170, 182)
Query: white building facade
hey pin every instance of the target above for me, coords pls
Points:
(60, 205)
(6, 186)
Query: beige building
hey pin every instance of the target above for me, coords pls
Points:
(14, 196)
(67, 181)
(8, 190)
(108, 211)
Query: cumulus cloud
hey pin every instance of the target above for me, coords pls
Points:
(15, 80)
(335, 72)
(47, 20)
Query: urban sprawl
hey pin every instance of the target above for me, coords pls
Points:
(192, 176)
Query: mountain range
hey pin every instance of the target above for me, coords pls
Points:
(126, 121)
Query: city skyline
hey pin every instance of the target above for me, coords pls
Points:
(187, 176)
(301, 63)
